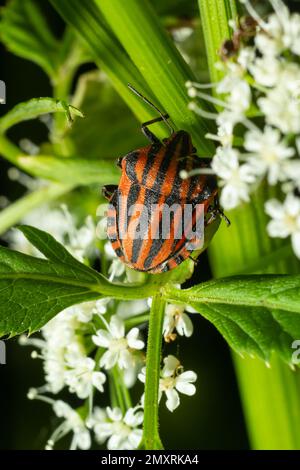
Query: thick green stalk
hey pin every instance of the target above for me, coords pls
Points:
(214, 19)
(270, 402)
(151, 439)
(138, 29)
(270, 396)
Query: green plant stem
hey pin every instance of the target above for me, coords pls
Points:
(8, 150)
(270, 396)
(136, 320)
(151, 439)
(215, 15)
(62, 87)
(17, 210)
(115, 374)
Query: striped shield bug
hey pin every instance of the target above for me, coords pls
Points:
(164, 192)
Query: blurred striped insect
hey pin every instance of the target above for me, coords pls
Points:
(164, 192)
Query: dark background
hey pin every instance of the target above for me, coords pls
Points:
(212, 419)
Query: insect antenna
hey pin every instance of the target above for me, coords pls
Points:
(163, 116)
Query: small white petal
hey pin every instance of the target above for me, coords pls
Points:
(142, 375)
(115, 442)
(133, 418)
(114, 414)
(125, 359)
(103, 431)
(102, 338)
(172, 399)
(274, 208)
(296, 243)
(185, 326)
(109, 359)
(135, 438)
(186, 388)
(98, 379)
(277, 228)
(117, 327)
(170, 365)
(133, 341)
(84, 440)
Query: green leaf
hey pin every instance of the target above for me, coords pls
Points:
(255, 314)
(34, 108)
(33, 290)
(108, 54)
(70, 170)
(156, 60)
(138, 28)
(109, 128)
(25, 32)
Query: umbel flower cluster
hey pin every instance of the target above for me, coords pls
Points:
(96, 349)
(258, 118)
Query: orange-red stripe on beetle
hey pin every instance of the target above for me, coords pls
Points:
(149, 188)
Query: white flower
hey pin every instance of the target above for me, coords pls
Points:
(281, 109)
(291, 170)
(269, 41)
(82, 377)
(84, 312)
(292, 34)
(246, 57)
(119, 347)
(130, 374)
(285, 220)
(239, 92)
(64, 355)
(269, 152)
(235, 178)
(175, 318)
(117, 267)
(280, 32)
(266, 70)
(60, 337)
(173, 380)
(72, 423)
(80, 240)
(121, 431)
(44, 218)
(290, 78)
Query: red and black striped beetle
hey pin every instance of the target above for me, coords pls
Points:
(151, 178)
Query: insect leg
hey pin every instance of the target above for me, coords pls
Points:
(108, 190)
(147, 133)
(216, 211)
